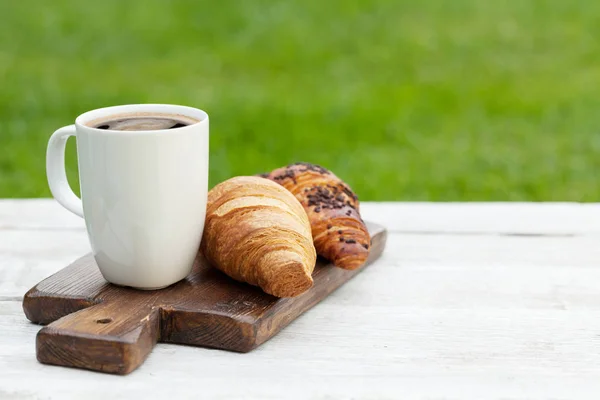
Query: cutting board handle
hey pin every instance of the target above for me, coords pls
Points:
(113, 337)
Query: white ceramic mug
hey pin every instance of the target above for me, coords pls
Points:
(143, 193)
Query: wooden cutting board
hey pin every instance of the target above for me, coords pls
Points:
(99, 326)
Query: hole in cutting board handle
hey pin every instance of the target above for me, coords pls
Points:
(104, 320)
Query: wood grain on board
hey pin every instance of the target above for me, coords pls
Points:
(98, 326)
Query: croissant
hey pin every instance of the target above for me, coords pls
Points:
(339, 233)
(257, 232)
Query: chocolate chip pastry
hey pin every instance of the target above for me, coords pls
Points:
(338, 231)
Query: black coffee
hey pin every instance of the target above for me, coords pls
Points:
(142, 122)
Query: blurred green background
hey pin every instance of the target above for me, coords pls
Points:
(405, 100)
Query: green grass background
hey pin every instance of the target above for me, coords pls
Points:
(406, 100)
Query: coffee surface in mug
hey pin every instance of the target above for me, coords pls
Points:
(139, 122)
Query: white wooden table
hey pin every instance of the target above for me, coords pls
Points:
(469, 301)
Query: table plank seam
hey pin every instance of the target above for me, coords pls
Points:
(390, 231)
(483, 233)
(42, 228)
(11, 298)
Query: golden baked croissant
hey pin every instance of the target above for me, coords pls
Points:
(257, 232)
(339, 233)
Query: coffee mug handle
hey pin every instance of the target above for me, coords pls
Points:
(57, 175)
